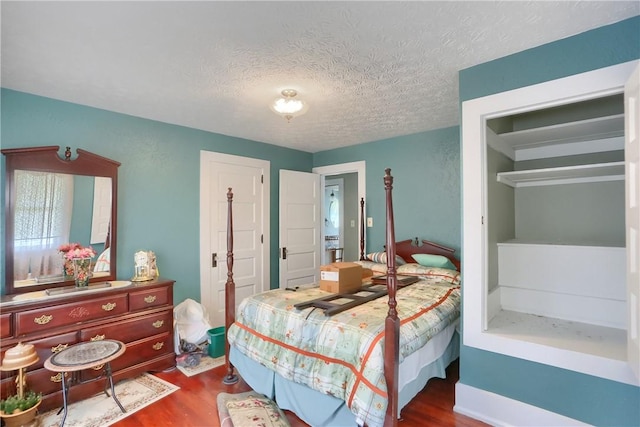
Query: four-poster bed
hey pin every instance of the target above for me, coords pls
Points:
(358, 366)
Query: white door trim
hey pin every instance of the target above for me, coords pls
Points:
(632, 215)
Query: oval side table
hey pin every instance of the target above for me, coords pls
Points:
(86, 355)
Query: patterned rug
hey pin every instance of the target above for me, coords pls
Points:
(205, 364)
(249, 409)
(102, 411)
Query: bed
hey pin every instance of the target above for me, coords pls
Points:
(362, 365)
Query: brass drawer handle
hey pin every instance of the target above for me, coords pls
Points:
(44, 319)
(97, 338)
(158, 324)
(109, 306)
(158, 345)
(59, 348)
(56, 378)
(97, 368)
(149, 299)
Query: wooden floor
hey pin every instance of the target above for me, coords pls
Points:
(195, 403)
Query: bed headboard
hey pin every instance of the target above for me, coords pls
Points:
(406, 248)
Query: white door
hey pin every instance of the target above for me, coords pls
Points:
(299, 228)
(249, 180)
(632, 214)
(101, 219)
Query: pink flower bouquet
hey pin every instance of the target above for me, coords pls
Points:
(75, 251)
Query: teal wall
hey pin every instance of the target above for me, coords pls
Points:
(158, 181)
(426, 188)
(589, 399)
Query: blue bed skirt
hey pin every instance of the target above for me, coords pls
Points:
(317, 409)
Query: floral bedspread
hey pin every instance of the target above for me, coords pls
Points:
(341, 355)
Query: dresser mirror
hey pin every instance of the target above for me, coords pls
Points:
(52, 201)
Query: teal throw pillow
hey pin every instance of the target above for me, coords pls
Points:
(428, 260)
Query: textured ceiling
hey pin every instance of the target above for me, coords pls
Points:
(369, 70)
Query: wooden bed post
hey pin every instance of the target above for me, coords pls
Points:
(230, 293)
(362, 258)
(392, 322)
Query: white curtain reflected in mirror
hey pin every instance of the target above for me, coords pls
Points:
(44, 203)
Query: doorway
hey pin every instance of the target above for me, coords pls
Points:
(348, 183)
(333, 204)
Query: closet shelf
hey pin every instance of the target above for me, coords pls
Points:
(613, 171)
(582, 130)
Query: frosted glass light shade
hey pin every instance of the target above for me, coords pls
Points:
(288, 106)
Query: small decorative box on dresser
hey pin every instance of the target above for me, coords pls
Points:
(140, 315)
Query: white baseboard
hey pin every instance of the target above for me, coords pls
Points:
(498, 410)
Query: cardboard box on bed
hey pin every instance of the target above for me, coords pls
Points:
(366, 274)
(340, 277)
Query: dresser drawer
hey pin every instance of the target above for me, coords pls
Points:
(7, 386)
(153, 297)
(47, 346)
(131, 330)
(147, 349)
(45, 381)
(6, 329)
(43, 319)
(39, 380)
(137, 353)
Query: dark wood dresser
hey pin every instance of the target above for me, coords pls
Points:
(140, 315)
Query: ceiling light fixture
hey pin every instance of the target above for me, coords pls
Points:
(288, 106)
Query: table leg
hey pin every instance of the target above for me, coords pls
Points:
(113, 392)
(64, 399)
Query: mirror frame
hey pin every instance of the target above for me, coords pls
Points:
(46, 159)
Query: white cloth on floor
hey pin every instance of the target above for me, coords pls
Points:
(191, 321)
